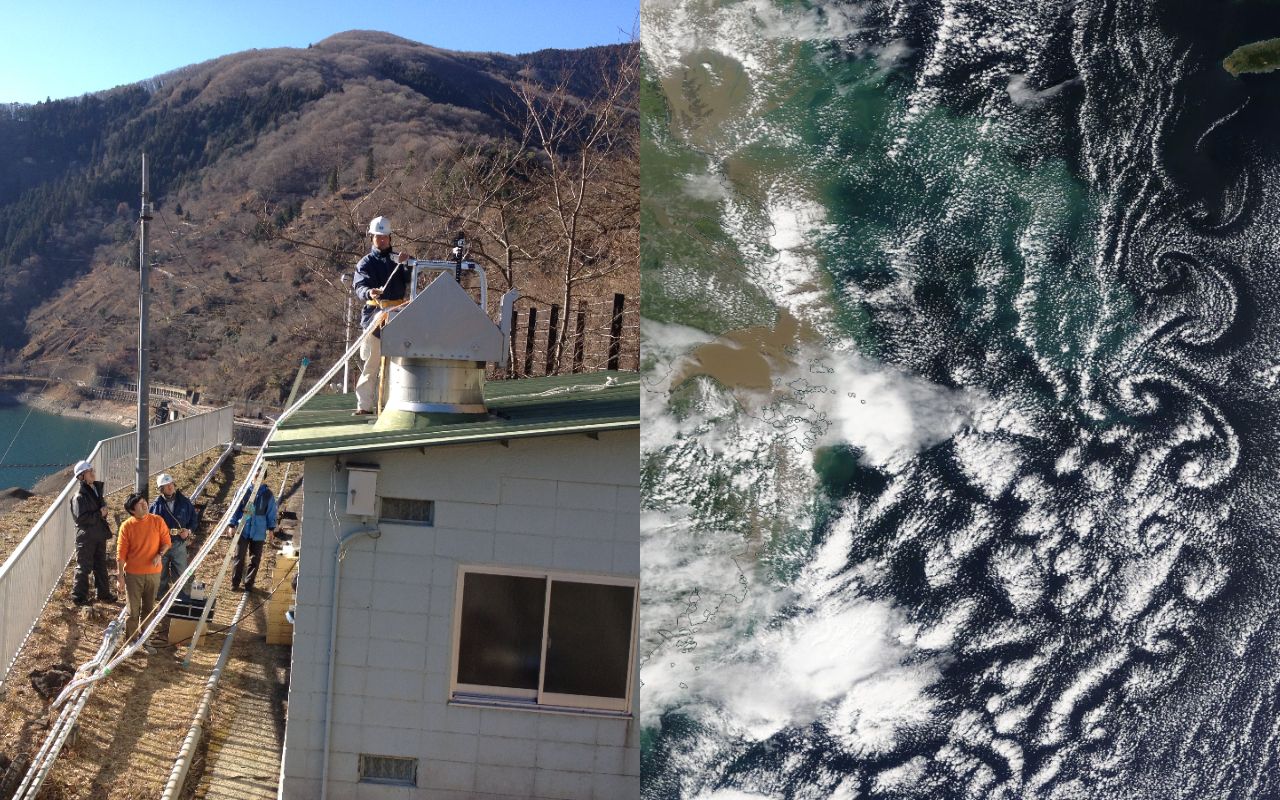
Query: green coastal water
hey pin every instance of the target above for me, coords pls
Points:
(31, 440)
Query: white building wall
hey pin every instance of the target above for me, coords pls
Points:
(564, 502)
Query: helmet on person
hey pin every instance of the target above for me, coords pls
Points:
(81, 468)
(164, 480)
(380, 226)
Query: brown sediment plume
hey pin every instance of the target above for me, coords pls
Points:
(705, 93)
(748, 358)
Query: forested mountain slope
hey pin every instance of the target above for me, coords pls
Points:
(265, 166)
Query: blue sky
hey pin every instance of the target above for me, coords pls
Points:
(65, 48)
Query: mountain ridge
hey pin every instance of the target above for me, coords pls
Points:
(241, 148)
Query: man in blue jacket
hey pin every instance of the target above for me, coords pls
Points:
(382, 281)
(180, 515)
(261, 522)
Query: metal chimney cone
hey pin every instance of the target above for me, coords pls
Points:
(439, 345)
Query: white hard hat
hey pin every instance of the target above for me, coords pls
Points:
(164, 480)
(380, 226)
(81, 468)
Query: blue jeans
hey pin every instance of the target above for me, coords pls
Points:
(174, 561)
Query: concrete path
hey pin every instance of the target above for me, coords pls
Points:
(246, 739)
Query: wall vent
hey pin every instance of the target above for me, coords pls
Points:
(414, 512)
(392, 770)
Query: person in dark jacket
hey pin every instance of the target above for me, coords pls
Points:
(89, 509)
(261, 522)
(180, 515)
(382, 281)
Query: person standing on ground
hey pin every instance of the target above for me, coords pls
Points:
(381, 282)
(180, 515)
(261, 522)
(89, 508)
(144, 539)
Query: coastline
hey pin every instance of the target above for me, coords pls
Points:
(87, 408)
(1254, 58)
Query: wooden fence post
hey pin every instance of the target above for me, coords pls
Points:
(615, 331)
(552, 336)
(579, 347)
(511, 343)
(528, 341)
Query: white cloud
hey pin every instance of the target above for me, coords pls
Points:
(748, 31)
(705, 186)
(893, 52)
(667, 341)
(733, 794)
(1023, 94)
(702, 598)
(888, 414)
(820, 21)
(872, 716)
(843, 665)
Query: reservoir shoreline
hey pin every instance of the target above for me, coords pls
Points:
(117, 416)
(88, 408)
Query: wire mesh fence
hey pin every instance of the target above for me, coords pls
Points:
(596, 334)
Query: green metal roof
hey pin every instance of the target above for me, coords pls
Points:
(583, 403)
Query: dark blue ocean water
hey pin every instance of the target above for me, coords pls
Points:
(35, 443)
(1071, 211)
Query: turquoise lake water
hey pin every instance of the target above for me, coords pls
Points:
(35, 443)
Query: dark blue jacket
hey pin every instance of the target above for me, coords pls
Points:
(264, 515)
(372, 273)
(86, 508)
(183, 516)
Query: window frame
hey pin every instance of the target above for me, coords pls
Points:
(541, 699)
(366, 761)
(429, 523)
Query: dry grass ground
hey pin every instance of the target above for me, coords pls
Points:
(131, 729)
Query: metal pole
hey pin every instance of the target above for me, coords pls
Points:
(144, 352)
(178, 775)
(346, 365)
(297, 381)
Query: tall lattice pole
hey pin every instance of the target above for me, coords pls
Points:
(144, 350)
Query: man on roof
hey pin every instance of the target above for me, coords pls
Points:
(180, 515)
(382, 281)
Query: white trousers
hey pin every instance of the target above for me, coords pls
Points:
(367, 386)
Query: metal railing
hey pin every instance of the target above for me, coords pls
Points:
(30, 575)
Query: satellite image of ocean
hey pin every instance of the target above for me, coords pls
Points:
(960, 412)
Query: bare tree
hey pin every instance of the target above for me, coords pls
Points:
(483, 188)
(589, 187)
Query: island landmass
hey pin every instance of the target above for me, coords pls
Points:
(1261, 56)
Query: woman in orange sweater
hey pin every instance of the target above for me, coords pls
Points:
(144, 538)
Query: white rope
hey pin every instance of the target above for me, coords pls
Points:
(609, 383)
(103, 670)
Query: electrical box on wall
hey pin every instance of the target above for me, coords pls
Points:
(362, 490)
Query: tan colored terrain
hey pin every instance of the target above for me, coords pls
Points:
(130, 731)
